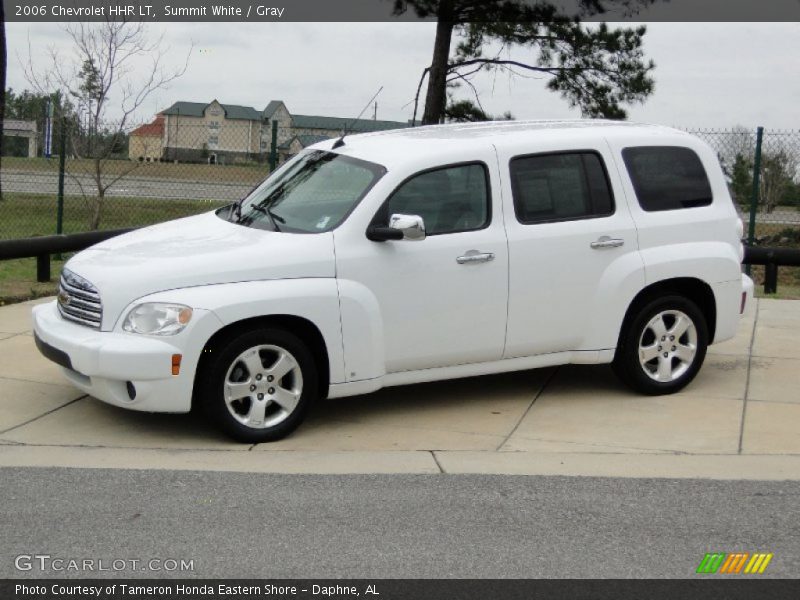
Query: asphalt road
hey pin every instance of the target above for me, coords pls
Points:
(32, 182)
(396, 526)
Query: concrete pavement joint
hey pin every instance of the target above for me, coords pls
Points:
(747, 380)
(418, 428)
(159, 448)
(64, 384)
(527, 410)
(49, 412)
(436, 460)
(762, 401)
(596, 445)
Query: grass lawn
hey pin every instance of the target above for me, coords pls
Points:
(18, 280)
(26, 215)
(250, 173)
(788, 283)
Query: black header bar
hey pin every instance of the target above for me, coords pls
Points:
(702, 588)
(381, 10)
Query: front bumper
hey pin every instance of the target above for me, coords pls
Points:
(104, 363)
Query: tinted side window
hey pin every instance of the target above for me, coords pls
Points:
(667, 177)
(449, 200)
(560, 187)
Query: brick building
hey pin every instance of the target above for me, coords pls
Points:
(229, 133)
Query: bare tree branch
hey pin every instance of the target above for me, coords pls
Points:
(109, 84)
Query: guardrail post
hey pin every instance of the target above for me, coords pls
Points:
(751, 233)
(770, 278)
(43, 268)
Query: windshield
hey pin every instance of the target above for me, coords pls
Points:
(312, 193)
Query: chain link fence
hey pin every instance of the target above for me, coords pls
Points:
(154, 177)
(767, 197)
(763, 172)
(145, 181)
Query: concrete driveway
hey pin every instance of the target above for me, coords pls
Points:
(740, 419)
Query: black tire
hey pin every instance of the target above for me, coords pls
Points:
(215, 369)
(634, 373)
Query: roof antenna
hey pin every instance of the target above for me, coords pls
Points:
(340, 142)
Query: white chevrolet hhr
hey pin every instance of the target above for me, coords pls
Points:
(413, 255)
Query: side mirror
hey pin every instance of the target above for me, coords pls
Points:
(412, 226)
(401, 227)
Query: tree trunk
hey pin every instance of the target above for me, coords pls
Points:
(97, 205)
(436, 98)
(96, 215)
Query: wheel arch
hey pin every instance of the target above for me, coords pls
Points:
(303, 328)
(696, 290)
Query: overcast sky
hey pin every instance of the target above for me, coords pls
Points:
(707, 74)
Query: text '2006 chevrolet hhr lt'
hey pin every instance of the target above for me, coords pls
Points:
(413, 255)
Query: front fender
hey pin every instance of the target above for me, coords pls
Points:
(313, 299)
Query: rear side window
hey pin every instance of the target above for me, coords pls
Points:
(560, 187)
(667, 177)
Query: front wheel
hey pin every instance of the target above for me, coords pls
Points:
(663, 346)
(259, 385)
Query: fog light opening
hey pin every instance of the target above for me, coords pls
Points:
(131, 390)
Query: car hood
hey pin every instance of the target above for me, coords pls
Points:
(200, 250)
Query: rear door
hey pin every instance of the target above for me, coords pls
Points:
(571, 237)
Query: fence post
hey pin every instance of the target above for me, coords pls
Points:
(273, 148)
(62, 163)
(751, 233)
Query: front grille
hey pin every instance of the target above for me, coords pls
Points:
(79, 300)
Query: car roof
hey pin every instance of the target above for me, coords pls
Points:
(392, 148)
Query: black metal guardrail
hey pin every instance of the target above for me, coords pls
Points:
(771, 258)
(43, 247)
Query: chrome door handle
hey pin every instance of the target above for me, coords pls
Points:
(607, 242)
(473, 256)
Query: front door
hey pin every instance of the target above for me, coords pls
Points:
(443, 299)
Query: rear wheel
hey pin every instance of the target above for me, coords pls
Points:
(663, 346)
(259, 385)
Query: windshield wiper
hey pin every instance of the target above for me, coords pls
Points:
(237, 210)
(273, 218)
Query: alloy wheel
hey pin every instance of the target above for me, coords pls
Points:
(263, 386)
(668, 346)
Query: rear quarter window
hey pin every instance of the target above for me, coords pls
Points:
(667, 177)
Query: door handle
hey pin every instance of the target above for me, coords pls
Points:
(473, 256)
(607, 242)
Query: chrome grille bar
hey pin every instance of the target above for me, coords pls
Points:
(79, 301)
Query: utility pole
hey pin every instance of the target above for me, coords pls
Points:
(375, 112)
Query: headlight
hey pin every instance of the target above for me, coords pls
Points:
(157, 318)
